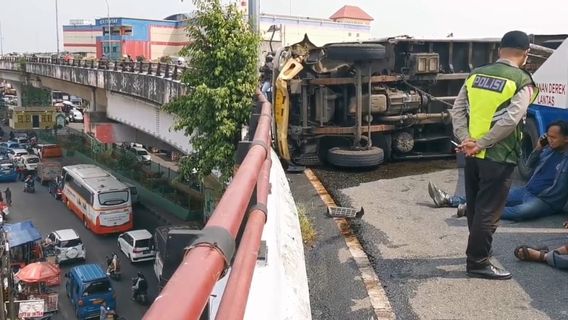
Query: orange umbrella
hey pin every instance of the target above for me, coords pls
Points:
(39, 272)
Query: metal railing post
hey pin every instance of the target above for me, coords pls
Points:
(167, 72)
(158, 69)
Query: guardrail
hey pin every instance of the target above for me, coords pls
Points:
(208, 258)
(168, 71)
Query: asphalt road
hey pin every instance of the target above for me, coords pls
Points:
(418, 251)
(49, 214)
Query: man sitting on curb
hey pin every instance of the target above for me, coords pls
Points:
(541, 195)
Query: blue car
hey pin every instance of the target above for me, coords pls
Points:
(8, 172)
(88, 287)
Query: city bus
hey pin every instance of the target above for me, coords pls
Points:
(101, 201)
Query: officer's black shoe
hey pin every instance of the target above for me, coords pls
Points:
(462, 210)
(490, 272)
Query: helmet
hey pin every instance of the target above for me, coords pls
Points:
(140, 275)
(269, 57)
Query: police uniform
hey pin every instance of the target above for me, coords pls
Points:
(488, 109)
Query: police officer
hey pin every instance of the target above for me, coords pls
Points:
(485, 117)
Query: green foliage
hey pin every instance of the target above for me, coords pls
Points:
(36, 97)
(223, 78)
(22, 64)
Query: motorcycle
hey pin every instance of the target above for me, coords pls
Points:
(140, 297)
(29, 188)
(113, 268)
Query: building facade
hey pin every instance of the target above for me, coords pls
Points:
(152, 39)
(120, 37)
(80, 37)
(26, 118)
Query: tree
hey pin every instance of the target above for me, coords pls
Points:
(222, 78)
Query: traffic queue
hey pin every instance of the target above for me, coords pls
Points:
(100, 201)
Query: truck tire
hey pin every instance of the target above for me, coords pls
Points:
(349, 158)
(528, 143)
(383, 141)
(355, 51)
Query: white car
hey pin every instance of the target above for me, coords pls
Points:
(16, 154)
(75, 116)
(29, 162)
(142, 155)
(67, 245)
(137, 245)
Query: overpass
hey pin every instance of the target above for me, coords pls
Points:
(269, 268)
(129, 93)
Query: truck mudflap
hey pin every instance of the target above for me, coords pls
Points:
(291, 68)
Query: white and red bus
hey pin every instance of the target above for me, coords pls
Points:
(101, 201)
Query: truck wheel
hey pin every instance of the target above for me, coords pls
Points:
(350, 158)
(383, 141)
(528, 143)
(355, 51)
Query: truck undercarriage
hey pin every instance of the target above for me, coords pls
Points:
(359, 104)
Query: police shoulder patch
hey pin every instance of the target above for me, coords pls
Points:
(489, 83)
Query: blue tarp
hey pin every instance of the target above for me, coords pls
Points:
(21, 233)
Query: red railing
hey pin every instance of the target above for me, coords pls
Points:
(188, 290)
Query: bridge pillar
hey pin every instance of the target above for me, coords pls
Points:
(96, 112)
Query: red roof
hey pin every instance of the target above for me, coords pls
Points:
(351, 12)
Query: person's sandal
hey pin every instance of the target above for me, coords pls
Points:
(527, 257)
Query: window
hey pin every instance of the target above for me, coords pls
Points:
(49, 118)
(113, 49)
(144, 243)
(20, 118)
(43, 118)
(105, 49)
(349, 34)
(71, 243)
(113, 198)
(127, 30)
(28, 118)
(98, 287)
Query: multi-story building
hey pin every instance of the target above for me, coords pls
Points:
(118, 37)
(80, 37)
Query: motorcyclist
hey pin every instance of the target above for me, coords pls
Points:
(113, 265)
(139, 286)
(29, 182)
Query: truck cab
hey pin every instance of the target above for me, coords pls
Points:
(88, 287)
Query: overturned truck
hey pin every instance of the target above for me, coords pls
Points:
(360, 104)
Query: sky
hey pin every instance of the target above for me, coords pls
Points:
(29, 25)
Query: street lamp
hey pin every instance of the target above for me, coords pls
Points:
(1, 41)
(108, 27)
(57, 26)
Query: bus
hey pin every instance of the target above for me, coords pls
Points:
(101, 201)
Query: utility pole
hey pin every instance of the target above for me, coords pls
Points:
(11, 304)
(57, 26)
(254, 14)
(108, 29)
(2, 302)
(1, 41)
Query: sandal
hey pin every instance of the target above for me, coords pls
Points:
(527, 257)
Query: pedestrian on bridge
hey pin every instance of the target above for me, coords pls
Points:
(486, 117)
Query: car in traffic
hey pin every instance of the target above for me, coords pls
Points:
(142, 155)
(4, 146)
(29, 162)
(67, 245)
(137, 245)
(16, 154)
(75, 115)
(88, 287)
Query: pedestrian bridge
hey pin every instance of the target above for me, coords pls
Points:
(129, 93)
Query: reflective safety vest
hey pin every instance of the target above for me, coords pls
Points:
(489, 91)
